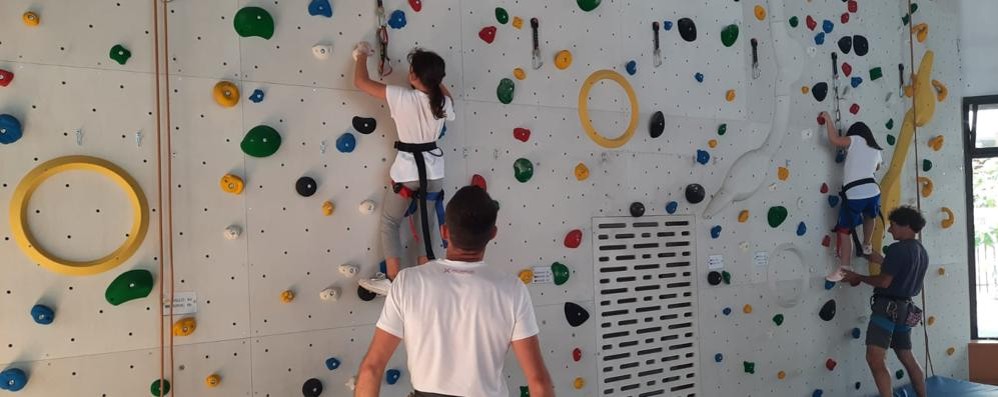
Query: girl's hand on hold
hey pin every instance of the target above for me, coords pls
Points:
(362, 50)
(825, 117)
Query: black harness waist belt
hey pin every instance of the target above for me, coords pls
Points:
(857, 182)
(417, 150)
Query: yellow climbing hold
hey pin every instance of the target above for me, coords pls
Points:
(760, 12)
(226, 94)
(287, 296)
(526, 275)
(950, 218)
(563, 59)
(327, 208)
(232, 184)
(936, 143)
(712, 143)
(517, 22)
(212, 380)
(730, 96)
(931, 320)
(743, 216)
(581, 172)
(941, 271)
(950, 351)
(519, 74)
(781, 375)
(31, 19)
(747, 308)
(579, 383)
(184, 326)
(926, 184)
(941, 91)
(921, 31)
(783, 173)
(805, 90)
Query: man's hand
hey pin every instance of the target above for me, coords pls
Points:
(850, 276)
(875, 257)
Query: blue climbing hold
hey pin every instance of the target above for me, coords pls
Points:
(718, 357)
(632, 68)
(726, 311)
(397, 20)
(702, 156)
(858, 385)
(840, 156)
(320, 8)
(383, 267)
(10, 129)
(856, 81)
(393, 376)
(699, 77)
(13, 379)
(801, 229)
(346, 143)
(332, 363)
(42, 314)
(256, 96)
(671, 207)
(856, 333)
(829, 285)
(819, 38)
(818, 393)
(667, 25)
(833, 201)
(827, 26)
(715, 231)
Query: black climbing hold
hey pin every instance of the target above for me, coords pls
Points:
(365, 295)
(827, 312)
(714, 278)
(306, 186)
(860, 45)
(312, 388)
(687, 29)
(657, 125)
(820, 91)
(637, 209)
(695, 193)
(364, 125)
(845, 44)
(575, 314)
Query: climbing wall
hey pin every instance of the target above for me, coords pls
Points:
(738, 87)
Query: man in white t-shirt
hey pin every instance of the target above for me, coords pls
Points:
(458, 317)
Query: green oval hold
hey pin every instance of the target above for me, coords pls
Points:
(501, 15)
(726, 277)
(729, 35)
(120, 54)
(588, 5)
(722, 129)
(890, 124)
(130, 285)
(794, 21)
(560, 272)
(261, 141)
(154, 387)
(777, 215)
(254, 21)
(778, 319)
(523, 170)
(891, 139)
(505, 90)
(926, 165)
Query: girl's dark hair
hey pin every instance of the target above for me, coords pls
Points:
(861, 130)
(430, 70)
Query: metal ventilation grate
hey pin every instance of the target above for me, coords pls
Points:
(646, 305)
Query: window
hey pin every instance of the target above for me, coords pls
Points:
(981, 161)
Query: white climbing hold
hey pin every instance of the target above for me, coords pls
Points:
(232, 232)
(322, 51)
(330, 294)
(367, 207)
(349, 270)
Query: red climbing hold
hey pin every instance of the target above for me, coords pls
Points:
(821, 120)
(521, 134)
(827, 241)
(573, 239)
(417, 5)
(824, 188)
(811, 23)
(853, 6)
(5, 77)
(577, 354)
(845, 18)
(854, 109)
(488, 34)
(830, 364)
(478, 180)
(846, 69)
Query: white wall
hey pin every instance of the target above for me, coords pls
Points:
(979, 47)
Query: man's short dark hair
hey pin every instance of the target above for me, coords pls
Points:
(908, 216)
(470, 217)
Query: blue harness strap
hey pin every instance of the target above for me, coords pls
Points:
(438, 201)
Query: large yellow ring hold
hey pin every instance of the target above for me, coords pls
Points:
(584, 108)
(37, 176)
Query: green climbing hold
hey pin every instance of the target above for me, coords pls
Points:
(154, 387)
(254, 21)
(560, 272)
(501, 15)
(778, 319)
(890, 124)
(505, 91)
(523, 169)
(120, 54)
(588, 5)
(913, 8)
(524, 391)
(261, 141)
(926, 165)
(130, 285)
(722, 129)
(905, 19)
(726, 276)
(777, 215)
(899, 374)
(729, 35)
(890, 139)
(749, 367)
(876, 73)
(794, 21)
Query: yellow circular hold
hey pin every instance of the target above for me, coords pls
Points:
(921, 31)
(581, 172)
(783, 173)
(327, 208)
(526, 275)
(226, 94)
(805, 90)
(232, 184)
(941, 271)
(34, 178)
(712, 143)
(743, 216)
(936, 143)
(517, 22)
(730, 96)
(781, 375)
(926, 184)
(213, 380)
(747, 308)
(950, 351)
(185, 326)
(587, 124)
(519, 74)
(579, 383)
(950, 218)
(563, 59)
(760, 12)
(287, 296)
(931, 320)
(31, 18)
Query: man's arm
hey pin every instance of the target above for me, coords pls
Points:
(362, 80)
(528, 353)
(382, 347)
(883, 280)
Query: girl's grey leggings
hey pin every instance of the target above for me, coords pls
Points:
(393, 208)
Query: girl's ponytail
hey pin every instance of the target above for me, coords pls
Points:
(429, 68)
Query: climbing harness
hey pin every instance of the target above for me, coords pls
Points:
(421, 195)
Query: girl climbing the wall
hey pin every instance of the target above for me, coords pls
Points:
(417, 174)
(860, 192)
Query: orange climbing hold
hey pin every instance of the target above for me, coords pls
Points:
(712, 143)
(743, 216)
(517, 22)
(926, 185)
(931, 320)
(941, 271)
(747, 308)
(781, 375)
(950, 218)
(232, 184)
(941, 91)
(328, 208)
(185, 326)
(581, 172)
(526, 275)
(730, 96)
(579, 383)
(212, 380)
(760, 12)
(287, 296)
(563, 59)
(519, 74)
(31, 19)
(783, 173)
(921, 31)
(936, 143)
(950, 351)
(226, 94)
(805, 90)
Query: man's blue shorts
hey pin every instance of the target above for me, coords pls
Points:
(852, 212)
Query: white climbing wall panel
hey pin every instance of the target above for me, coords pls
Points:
(64, 82)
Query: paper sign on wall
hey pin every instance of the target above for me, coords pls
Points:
(761, 258)
(715, 262)
(183, 303)
(543, 275)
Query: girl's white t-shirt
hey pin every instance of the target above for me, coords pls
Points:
(416, 123)
(861, 163)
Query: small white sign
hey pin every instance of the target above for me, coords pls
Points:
(543, 275)
(761, 258)
(183, 303)
(715, 262)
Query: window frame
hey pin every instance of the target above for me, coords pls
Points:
(972, 152)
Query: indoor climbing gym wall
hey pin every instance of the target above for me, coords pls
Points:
(666, 190)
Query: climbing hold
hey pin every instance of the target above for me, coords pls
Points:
(827, 26)
(397, 19)
(579, 383)
(729, 34)
(687, 29)
(487, 34)
(42, 314)
(698, 77)
(306, 186)
(860, 45)
(287, 296)
(819, 38)
(631, 67)
(876, 73)
(899, 374)
(261, 141)
(783, 173)
(931, 320)
(747, 309)
(743, 216)
(856, 81)
(921, 31)
(950, 351)
(130, 285)
(120, 54)
(366, 207)
(31, 19)
(827, 311)
(749, 367)
(805, 90)
(777, 215)
(820, 91)
(573, 239)
(320, 8)
(830, 364)
(577, 354)
(794, 21)
(715, 231)
(845, 44)
(844, 18)
(666, 25)
(231, 184)
(729, 96)
(801, 229)
(781, 375)
(563, 59)
(856, 333)
(824, 188)
(505, 90)
(854, 109)
(726, 277)
(703, 157)
(560, 272)
(521, 134)
(811, 23)
(846, 69)
(212, 380)
(526, 276)
(637, 209)
(523, 170)
(714, 278)
(519, 74)
(365, 295)
(890, 124)
(524, 391)
(10, 129)
(722, 129)
(160, 387)
(695, 193)
(184, 326)
(312, 388)
(581, 172)
(941, 90)
(718, 357)
(760, 12)
(478, 180)
(256, 96)
(818, 393)
(936, 143)
(226, 94)
(327, 208)
(348, 270)
(13, 379)
(671, 207)
(392, 376)
(588, 5)
(950, 218)
(941, 271)
(254, 21)
(852, 6)
(364, 125)
(926, 165)
(726, 311)
(833, 201)
(712, 143)
(926, 184)
(6, 77)
(657, 124)
(517, 22)
(501, 15)
(417, 5)
(330, 294)
(346, 143)
(891, 139)
(575, 314)
(829, 284)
